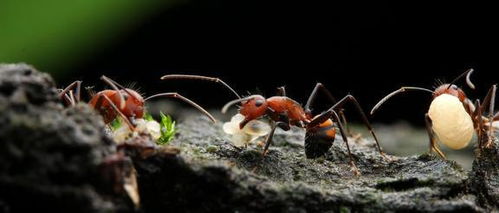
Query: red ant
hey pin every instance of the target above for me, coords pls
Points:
(452, 117)
(284, 112)
(120, 101)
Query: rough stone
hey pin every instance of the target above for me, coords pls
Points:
(50, 156)
(212, 175)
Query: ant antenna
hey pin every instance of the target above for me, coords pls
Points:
(402, 89)
(200, 77)
(230, 103)
(468, 81)
(111, 81)
(176, 95)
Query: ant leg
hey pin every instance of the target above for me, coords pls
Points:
(311, 99)
(67, 99)
(75, 85)
(469, 107)
(491, 115)
(490, 101)
(72, 98)
(281, 91)
(431, 136)
(478, 123)
(101, 99)
(349, 98)
(345, 139)
(268, 140)
(113, 84)
(313, 96)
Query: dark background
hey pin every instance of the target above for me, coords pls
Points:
(367, 50)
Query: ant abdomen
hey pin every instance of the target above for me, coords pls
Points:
(318, 140)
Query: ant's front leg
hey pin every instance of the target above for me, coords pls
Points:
(431, 136)
(478, 123)
(98, 106)
(73, 98)
(268, 140)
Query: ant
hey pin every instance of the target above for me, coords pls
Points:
(452, 117)
(120, 101)
(285, 112)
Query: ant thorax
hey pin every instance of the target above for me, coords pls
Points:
(451, 123)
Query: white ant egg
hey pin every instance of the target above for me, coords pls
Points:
(450, 121)
(250, 132)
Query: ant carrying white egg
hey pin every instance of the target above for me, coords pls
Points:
(453, 118)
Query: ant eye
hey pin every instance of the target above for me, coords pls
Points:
(258, 103)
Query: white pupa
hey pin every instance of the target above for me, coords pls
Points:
(451, 123)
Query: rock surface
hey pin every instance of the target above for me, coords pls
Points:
(484, 178)
(51, 159)
(210, 174)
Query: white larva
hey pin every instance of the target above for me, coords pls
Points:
(451, 123)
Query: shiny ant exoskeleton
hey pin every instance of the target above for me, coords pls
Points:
(284, 112)
(120, 101)
(452, 117)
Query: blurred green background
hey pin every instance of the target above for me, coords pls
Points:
(54, 34)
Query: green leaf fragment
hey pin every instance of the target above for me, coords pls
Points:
(116, 124)
(167, 129)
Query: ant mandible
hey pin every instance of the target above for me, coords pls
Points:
(120, 101)
(284, 112)
(452, 117)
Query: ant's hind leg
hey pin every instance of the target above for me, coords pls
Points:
(311, 99)
(350, 98)
(431, 136)
(345, 138)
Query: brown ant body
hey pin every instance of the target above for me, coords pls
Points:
(452, 117)
(284, 112)
(120, 101)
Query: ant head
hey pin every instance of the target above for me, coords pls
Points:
(450, 89)
(252, 107)
(454, 90)
(134, 106)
